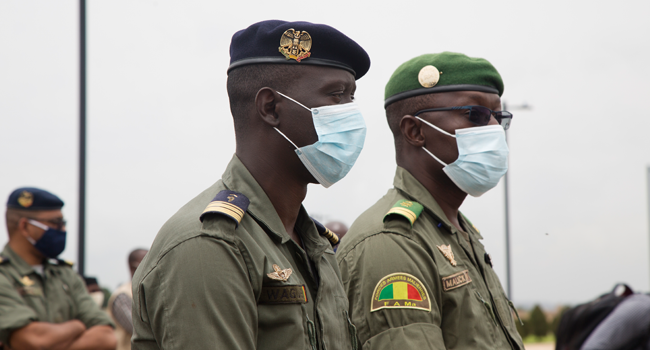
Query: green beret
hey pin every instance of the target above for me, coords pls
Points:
(442, 72)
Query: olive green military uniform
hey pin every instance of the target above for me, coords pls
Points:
(57, 296)
(213, 285)
(405, 293)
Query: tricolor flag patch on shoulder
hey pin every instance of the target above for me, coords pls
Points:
(400, 291)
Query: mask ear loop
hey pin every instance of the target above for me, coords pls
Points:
(290, 99)
(442, 131)
(285, 136)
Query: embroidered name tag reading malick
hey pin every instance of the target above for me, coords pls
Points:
(400, 291)
(456, 280)
(283, 295)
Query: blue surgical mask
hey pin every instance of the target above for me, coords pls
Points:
(52, 243)
(341, 134)
(482, 158)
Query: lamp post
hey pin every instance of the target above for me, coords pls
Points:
(524, 106)
(81, 250)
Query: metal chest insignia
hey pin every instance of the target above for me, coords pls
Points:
(280, 274)
(26, 281)
(446, 251)
(295, 44)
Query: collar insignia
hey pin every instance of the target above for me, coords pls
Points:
(295, 44)
(280, 274)
(446, 251)
(26, 199)
(26, 281)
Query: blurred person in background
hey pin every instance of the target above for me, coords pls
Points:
(43, 301)
(99, 295)
(119, 305)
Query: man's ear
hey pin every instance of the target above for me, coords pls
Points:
(411, 129)
(266, 104)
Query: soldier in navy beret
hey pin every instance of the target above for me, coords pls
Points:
(43, 301)
(242, 265)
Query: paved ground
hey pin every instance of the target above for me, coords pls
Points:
(540, 346)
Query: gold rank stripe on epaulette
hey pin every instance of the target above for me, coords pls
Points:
(331, 236)
(327, 233)
(226, 208)
(409, 209)
(229, 203)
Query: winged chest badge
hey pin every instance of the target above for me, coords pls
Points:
(295, 44)
(446, 251)
(280, 274)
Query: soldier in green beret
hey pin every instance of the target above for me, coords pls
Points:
(43, 301)
(413, 266)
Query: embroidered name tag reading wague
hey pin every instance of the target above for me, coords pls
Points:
(283, 295)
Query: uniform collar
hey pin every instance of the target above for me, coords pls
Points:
(21, 265)
(238, 178)
(408, 184)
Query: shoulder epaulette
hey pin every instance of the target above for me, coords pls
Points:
(4, 260)
(409, 209)
(228, 203)
(327, 233)
(65, 262)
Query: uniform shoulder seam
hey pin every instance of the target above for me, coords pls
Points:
(376, 234)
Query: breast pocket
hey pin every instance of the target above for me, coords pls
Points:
(282, 317)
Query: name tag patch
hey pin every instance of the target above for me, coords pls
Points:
(283, 295)
(456, 280)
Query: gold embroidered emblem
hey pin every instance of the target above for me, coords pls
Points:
(280, 274)
(26, 281)
(446, 251)
(407, 204)
(428, 76)
(232, 197)
(26, 199)
(295, 44)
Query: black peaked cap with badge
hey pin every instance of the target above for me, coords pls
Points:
(296, 43)
(31, 198)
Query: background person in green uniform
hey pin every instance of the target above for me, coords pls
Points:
(43, 301)
(248, 268)
(415, 272)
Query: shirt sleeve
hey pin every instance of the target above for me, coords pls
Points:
(367, 268)
(88, 311)
(122, 312)
(14, 313)
(199, 293)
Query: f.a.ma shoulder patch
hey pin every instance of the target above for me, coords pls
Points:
(400, 291)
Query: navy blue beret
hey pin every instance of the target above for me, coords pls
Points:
(30, 198)
(297, 43)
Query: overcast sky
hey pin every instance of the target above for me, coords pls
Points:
(160, 130)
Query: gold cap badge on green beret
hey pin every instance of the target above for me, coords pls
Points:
(429, 76)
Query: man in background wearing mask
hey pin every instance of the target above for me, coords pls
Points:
(414, 269)
(43, 301)
(120, 304)
(242, 265)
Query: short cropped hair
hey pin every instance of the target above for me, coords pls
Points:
(395, 112)
(244, 83)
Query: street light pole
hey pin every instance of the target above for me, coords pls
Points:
(507, 206)
(81, 250)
